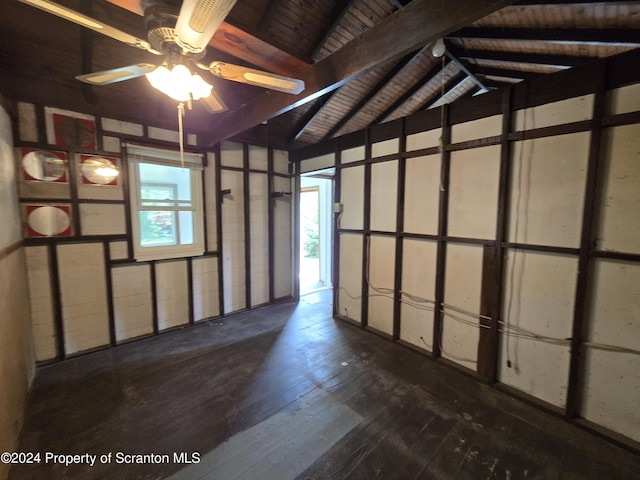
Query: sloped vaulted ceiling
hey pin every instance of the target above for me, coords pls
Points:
(364, 61)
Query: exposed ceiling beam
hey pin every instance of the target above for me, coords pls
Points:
(520, 57)
(455, 91)
(420, 22)
(598, 36)
(337, 18)
(312, 114)
(506, 73)
(267, 14)
(452, 54)
(372, 93)
(449, 86)
(431, 74)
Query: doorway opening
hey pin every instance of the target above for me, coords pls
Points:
(316, 231)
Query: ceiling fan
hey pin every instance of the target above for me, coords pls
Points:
(181, 39)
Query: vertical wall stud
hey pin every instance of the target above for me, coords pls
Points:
(493, 274)
(588, 224)
(154, 296)
(366, 229)
(443, 210)
(295, 227)
(190, 290)
(247, 224)
(337, 185)
(270, 213)
(218, 166)
(56, 299)
(109, 288)
(402, 169)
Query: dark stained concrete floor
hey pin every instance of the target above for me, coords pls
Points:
(287, 392)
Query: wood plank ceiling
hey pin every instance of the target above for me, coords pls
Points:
(41, 54)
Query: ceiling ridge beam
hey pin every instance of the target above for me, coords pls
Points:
(419, 23)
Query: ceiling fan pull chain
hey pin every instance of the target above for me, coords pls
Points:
(181, 132)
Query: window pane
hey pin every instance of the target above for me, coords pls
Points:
(186, 227)
(161, 182)
(158, 228)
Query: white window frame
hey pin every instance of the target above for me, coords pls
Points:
(137, 154)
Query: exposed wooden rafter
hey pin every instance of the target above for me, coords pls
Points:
(580, 35)
(420, 22)
(520, 57)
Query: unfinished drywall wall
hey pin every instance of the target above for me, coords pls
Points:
(418, 292)
(612, 385)
(422, 187)
(519, 239)
(233, 241)
(380, 280)
(126, 299)
(16, 349)
(539, 295)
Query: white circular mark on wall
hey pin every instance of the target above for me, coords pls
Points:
(48, 220)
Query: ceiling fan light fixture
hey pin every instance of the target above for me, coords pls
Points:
(179, 83)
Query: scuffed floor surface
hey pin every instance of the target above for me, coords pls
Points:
(286, 392)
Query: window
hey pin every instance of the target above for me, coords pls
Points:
(166, 203)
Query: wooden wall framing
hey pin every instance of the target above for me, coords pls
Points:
(584, 97)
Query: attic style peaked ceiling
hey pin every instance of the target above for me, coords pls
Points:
(363, 61)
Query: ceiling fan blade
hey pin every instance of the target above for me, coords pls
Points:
(90, 23)
(258, 78)
(213, 103)
(198, 20)
(115, 75)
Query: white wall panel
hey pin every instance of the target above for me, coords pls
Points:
(422, 194)
(352, 155)
(481, 128)
(349, 296)
(172, 294)
(539, 297)
(118, 250)
(352, 197)
(206, 300)
(259, 238)
(318, 163)
(619, 226)
(623, 100)
(163, 134)
(612, 383)
(132, 301)
(282, 241)
(281, 161)
(547, 190)
(384, 196)
(233, 242)
(473, 192)
(83, 294)
(231, 154)
(211, 203)
(41, 302)
(381, 276)
(556, 113)
(463, 283)
(118, 126)
(418, 280)
(428, 139)
(102, 219)
(386, 147)
(258, 158)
